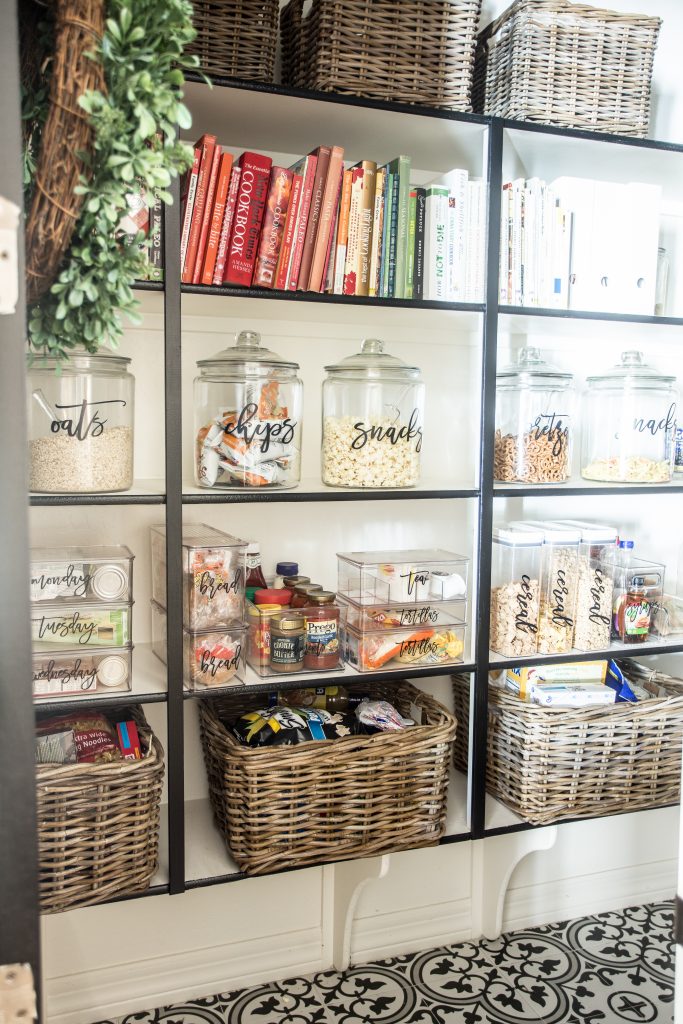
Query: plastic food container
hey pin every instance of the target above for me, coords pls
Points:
(534, 428)
(248, 405)
(261, 621)
(412, 647)
(594, 586)
(76, 672)
(364, 617)
(373, 418)
(638, 593)
(402, 577)
(667, 617)
(80, 424)
(515, 590)
(629, 415)
(57, 625)
(213, 575)
(558, 585)
(82, 574)
(211, 657)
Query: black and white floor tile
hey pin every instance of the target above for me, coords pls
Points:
(615, 968)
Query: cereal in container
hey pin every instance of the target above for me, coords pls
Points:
(595, 585)
(558, 586)
(515, 590)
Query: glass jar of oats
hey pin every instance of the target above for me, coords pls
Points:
(373, 414)
(534, 406)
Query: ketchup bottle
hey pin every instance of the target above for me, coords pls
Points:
(255, 577)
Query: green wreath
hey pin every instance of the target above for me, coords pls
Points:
(134, 141)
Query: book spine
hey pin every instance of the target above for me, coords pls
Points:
(246, 228)
(335, 169)
(419, 258)
(365, 227)
(187, 204)
(353, 242)
(459, 246)
(386, 234)
(226, 229)
(393, 233)
(207, 144)
(436, 245)
(377, 227)
(342, 235)
(273, 230)
(308, 169)
(328, 274)
(528, 248)
(324, 153)
(474, 271)
(217, 218)
(503, 255)
(451, 256)
(403, 165)
(208, 213)
(517, 229)
(290, 229)
(155, 253)
(410, 254)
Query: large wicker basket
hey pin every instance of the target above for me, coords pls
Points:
(419, 52)
(332, 800)
(98, 826)
(548, 764)
(567, 64)
(236, 38)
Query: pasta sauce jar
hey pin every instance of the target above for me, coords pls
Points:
(322, 631)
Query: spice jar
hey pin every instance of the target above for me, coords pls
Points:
(248, 405)
(301, 593)
(534, 406)
(373, 414)
(558, 583)
(515, 590)
(80, 414)
(630, 424)
(287, 642)
(322, 631)
(594, 586)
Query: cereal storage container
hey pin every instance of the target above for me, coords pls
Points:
(629, 424)
(515, 590)
(73, 672)
(82, 573)
(403, 577)
(80, 424)
(534, 407)
(558, 583)
(248, 407)
(211, 657)
(373, 414)
(594, 586)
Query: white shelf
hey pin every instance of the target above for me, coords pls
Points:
(584, 329)
(314, 486)
(206, 855)
(499, 816)
(656, 645)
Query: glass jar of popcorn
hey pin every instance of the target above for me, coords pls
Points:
(534, 405)
(373, 415)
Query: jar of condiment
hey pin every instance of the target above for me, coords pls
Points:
(287, 641)
(248, 407)
(282, 570)
(629, 424)
(322, 631)
(534, 406)
(294, 581)
(302, 592)
(80, 414)
(373, 417)
(271, 596)
(260, 618)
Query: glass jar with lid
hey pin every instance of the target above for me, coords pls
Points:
(373, 415)
(80, 415)
(248, 407)
(629, 423)
(534, 408)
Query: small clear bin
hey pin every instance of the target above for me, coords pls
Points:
(211, 657)
(515, 591)
(667, 618)
(402, 577)
(412, 647)
(363, 617)
(260, 619)
(558, 585)
(638, 593)
(595, 584)
(82, 574)
(74, 672)
(58, 625)
(214, 572)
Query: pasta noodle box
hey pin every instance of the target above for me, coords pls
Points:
(571, 695)
(129, 741)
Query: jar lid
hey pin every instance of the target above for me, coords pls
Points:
(291, 621)
(517, 537)
(532, 369)
(322, 597)
(109, 582)
(552, 533)
(631, 371)
(272, 596)
(373, 363)
(79, 359)
(306, 588)
(246, 356)
(112, 670)
(287, 569)
(296, 581)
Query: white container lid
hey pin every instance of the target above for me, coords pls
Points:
(594, 533)
(199, 535)
(513, 535)
(112, 670)
(552, 533)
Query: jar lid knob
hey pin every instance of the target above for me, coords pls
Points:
(248, 339)
(529, 356)
(372, 345)
(632, 358)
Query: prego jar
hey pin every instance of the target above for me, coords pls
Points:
(80, 413)
(629, 424)
(373, 413)
(248, 407)
(534, 406)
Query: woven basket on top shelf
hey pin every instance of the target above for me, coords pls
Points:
(98, 826)
(419, 52)
(567, 64)
(330, 800)
(236, 38)
(548, 764)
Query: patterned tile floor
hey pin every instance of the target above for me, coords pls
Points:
(611, 968)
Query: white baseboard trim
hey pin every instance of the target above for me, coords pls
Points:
(409, 931)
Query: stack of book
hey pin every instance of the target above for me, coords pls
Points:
(322, 227)
(535, 244)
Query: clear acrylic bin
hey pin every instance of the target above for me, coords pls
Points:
(515, 590)
(75, 673)
(211, 657)
(401, 577)
(67, 626)
(667, 618)
(214, 571)
(364, 617)
(260, 618)
(82, 574)
(558, 585)
(412, 647)
(638, 592)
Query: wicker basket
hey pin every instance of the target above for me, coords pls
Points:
(98, 826)
(419, 52)
(560, 63)
(236, 38)
(548, 764)
(332, 800)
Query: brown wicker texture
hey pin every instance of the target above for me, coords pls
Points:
(419, 52)
(237, 38)
(548, 764)
(98, 826)
(54, 208)
(567, 64)
(332, 800)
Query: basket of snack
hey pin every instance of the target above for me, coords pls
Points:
(328, 774)
(99, 780)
